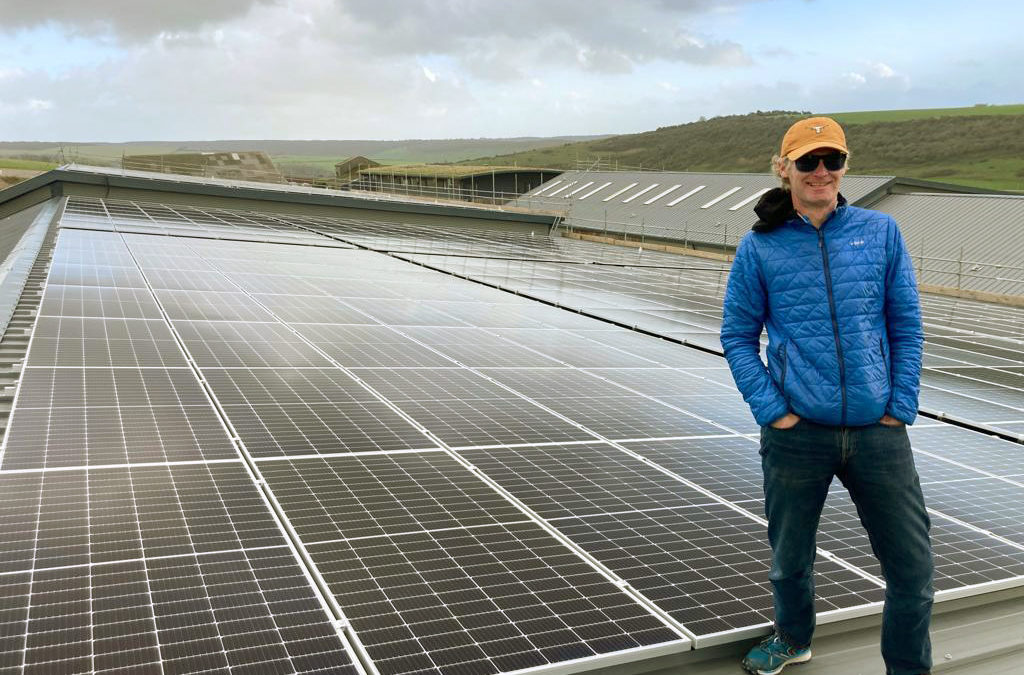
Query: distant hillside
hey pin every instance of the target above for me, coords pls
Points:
(293, 157)
(983, 149)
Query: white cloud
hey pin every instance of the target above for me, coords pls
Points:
(855, 79)
(126, 21)
(882, 70)
(193, 69)
(877, 76)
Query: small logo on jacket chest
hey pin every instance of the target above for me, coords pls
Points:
(856, 242)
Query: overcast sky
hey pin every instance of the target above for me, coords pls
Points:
(119, 70)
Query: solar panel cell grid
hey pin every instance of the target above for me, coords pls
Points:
(211, 306)
(312, 309)
(54, 519)
(479, 600)
(625, 417)
(227, 344)
(70, 437)
(105, 302)
(963, 556)
(581, 480)
(275, 284)
(556, 383)
(76, 274)
(705, 566)
(190, 280)
(728, 466)
(123, 387)
(370, 346)
(217, 613)
(73, 341)
(463, 423)
(372, 495)
(284, 386)
(490, 356)
(274, 430)
(989, 504)
(432, 384)
(407, 312)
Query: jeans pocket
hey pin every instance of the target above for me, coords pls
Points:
(799, 422)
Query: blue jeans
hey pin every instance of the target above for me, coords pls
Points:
(876, 465)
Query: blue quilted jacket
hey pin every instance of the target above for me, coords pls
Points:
(841, 309)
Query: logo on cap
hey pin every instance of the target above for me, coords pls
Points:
(817, 129)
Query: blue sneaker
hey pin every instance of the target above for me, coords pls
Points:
(772, 654)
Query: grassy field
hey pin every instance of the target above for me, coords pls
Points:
(980, 146)
(985, 149)
(924, 113)
(997, 173)
(304, 158)
(27, 164)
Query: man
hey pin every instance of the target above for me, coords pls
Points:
(834, 287)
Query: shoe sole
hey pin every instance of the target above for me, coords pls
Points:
(803, 658)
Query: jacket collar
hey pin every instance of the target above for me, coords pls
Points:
(776, 207)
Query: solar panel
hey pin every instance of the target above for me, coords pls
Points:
(242, 610)
(124, 454)
(78, 341)
(704, 565)
(62, 437)
(228, 344)
(211, 306)
(80, 517)
(369, 495)
(371, 346)
(480, 600)
(98, 301)
(95, 275)
(963, 556)
(581, 479)
(728, 466)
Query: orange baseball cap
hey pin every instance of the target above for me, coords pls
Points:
(811, 134)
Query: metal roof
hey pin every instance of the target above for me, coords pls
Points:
(447, 170)
(716, 208)
(957, 233)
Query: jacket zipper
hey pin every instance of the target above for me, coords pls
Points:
(835, 323)
(885, 362)
(783, 361)
(782, 364)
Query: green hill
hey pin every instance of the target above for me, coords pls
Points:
(981, 146)
(303, 158)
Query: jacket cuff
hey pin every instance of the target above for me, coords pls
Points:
(901, 413)
(766, 416)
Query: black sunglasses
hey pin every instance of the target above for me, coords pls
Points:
(834, 161)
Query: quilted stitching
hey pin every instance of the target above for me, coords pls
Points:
(778, 279)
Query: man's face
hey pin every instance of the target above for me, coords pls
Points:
(816, 189)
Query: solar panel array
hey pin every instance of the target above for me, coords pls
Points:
(974, 357)
(300, 458)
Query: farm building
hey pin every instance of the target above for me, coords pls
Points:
(252, 165)
(485, 184)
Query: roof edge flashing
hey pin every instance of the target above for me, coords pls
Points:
(56, 178)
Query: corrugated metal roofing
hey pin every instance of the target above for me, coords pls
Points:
(963, 238)
(713, 208)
